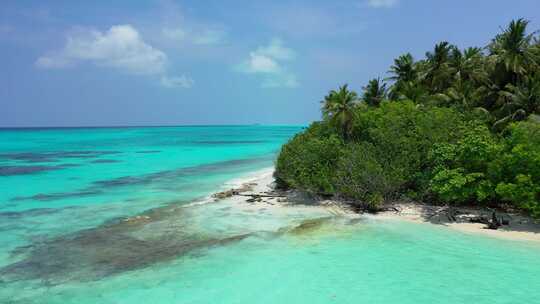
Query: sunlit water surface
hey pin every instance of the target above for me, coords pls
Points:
(66, 195)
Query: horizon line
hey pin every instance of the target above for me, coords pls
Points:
(144, 126)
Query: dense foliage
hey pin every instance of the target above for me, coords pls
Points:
(457, 127)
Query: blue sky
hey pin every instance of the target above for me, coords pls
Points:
(165, 62)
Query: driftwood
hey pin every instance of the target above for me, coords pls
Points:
(390, 208)
(233, 192)
(437, 212)
(225, 194)
(261, 195)
(493, 222)
(361, 208)
(452, 214)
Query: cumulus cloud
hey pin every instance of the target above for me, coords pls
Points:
(382, 3)
(276, 50)
(269, 62)
(258, 63)
(183, 81)
(121, 47)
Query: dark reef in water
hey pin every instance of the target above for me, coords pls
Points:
(57, 196)
(105, 161)
(40, 157)
(164, 177)
(21, 170)
(30, 212)
(44, 157)
(155, 236)
(227, 142)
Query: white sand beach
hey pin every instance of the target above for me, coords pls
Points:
(257, 191)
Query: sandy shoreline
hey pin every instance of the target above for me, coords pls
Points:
(520, 228)
(257, 189)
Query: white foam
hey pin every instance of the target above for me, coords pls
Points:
(251, 177)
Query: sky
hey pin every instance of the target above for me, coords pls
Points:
(168, 62)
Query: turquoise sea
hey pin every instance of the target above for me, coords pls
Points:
(118, 215)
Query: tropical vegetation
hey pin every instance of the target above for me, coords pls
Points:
(459, 126)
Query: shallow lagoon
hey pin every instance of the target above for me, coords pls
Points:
(65, 239)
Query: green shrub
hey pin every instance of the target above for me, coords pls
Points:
(455, 185)
(523, 192)
(361, 176)
(481, 167)
(518, 169)
(402, 134)
(387, 152)
(308, 161)
(461, 170)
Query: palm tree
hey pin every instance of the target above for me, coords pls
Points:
(519, 102)
(440, 55)
(403, 69)
(535, 49)
(338, 109)
(468, 80)
(411, 90)
(512, 53)
(463, 95)
(374, 92)
(468, 65)
(438, 73)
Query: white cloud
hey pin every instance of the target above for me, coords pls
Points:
(120, 47)
(260, 64)
(269, 62)
(183, 81)
(276, 50)
(382, 3)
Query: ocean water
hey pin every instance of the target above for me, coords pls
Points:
(118, 215)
